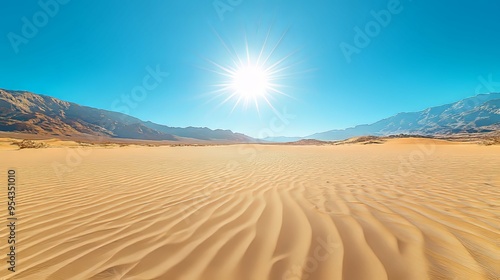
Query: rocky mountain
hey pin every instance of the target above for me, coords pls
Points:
(201, 133)
(478, 114)
(26, 112)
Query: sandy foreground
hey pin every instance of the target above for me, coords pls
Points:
(405, 209)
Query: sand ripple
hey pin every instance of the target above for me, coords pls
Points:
(259, 212)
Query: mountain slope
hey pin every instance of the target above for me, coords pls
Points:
(27, 112)
(201, 133)
(477, 114)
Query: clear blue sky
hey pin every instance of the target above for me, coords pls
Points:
(93, 52)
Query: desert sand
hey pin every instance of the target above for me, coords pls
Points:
(405, 209)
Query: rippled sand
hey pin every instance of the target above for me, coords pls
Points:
(406, 209)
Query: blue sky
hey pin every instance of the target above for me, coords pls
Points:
(96, 53)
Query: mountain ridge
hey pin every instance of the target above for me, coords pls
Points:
(27, 112)
(439, 120)
(482, 109)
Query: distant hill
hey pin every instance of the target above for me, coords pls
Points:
(27, 112)
(201, 133)
(308, 142)
(478, 114)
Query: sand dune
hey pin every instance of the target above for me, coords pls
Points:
(400, 210)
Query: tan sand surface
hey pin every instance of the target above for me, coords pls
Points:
(405, 209)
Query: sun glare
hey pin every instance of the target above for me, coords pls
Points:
(251, 81)
(252, 76)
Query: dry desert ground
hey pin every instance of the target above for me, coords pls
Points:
(405, 209)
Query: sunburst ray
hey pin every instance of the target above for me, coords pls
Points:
(251, 77)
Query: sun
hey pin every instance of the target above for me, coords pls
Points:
(252, 76)
(251, 81)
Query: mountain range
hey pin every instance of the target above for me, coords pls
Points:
(478, 114)
(26, 112)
